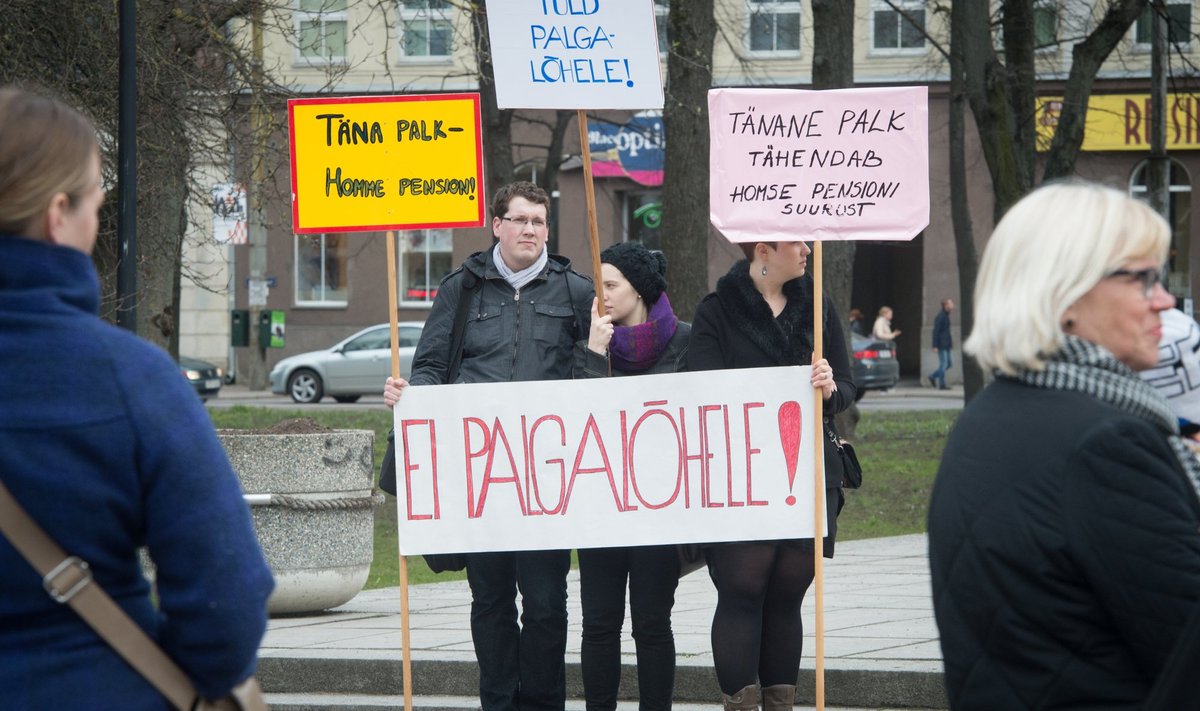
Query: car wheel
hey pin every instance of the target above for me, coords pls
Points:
(346, 399)
(305, 386)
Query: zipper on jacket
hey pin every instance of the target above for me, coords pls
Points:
(517, 333)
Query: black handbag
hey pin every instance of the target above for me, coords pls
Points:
(851, 469)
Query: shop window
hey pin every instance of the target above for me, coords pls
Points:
(1179, 216)
(426, 257)
(321, 267)
(642, 217)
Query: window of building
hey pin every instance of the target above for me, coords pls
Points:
(1179, 216)
(1179, 23)
(426, 257)
(641, 221)
(774, 26)
(321, 30)
(661, 8)
(425, 28)
(321, 268)
(899, 27)
(1045, 24)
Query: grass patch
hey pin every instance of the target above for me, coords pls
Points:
(899, 452)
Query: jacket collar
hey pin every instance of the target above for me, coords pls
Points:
(40, 274)
(787, 339)
(481, 265)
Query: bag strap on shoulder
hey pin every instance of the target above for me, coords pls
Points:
(68, 580)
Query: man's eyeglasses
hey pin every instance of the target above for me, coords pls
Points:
(523, 222)
(1147, 278)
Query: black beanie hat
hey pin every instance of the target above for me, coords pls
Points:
(646, 271)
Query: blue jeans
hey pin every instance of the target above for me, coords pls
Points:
(521, 668)
(943, 365)
(653, 574)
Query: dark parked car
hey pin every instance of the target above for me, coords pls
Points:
(349, 369)
(205, 377)
(874, 364)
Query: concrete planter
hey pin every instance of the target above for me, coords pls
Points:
(313, 506)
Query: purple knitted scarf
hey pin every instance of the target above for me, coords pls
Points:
(636, 348)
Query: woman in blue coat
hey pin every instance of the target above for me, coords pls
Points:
(107, 447)
(638, 334)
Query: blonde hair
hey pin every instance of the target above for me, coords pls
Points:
(1049, 250)
(46, 148)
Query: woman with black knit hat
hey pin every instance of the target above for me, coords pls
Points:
(761, 315)
(638, 334)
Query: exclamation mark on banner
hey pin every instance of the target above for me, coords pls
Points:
(789, 437)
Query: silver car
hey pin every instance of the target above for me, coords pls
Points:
(350, 369)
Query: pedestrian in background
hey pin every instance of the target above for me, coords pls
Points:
(858, 322)
(638, 335)
(108, 449)
(942, 344)
(882, 330)
(1063, 527)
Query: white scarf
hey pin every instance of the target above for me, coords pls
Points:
(526, 275)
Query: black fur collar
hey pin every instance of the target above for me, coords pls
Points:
(788, 340)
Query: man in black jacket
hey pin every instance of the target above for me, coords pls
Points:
(524, 310)
(942, 345)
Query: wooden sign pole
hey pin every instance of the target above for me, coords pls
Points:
(393, 307)
(590, 191)
(818, 484)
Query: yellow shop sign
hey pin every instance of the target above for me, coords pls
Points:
(1121, 122)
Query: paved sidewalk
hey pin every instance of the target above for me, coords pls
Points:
(879, 627)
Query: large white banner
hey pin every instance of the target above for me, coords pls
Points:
(652, 459)
(575, 54)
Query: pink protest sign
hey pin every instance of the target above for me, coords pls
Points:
(723, 455)
(848, 164)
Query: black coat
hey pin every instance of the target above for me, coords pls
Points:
(734, 328)
(1064, 550)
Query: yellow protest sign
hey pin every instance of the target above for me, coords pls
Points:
(386, 163)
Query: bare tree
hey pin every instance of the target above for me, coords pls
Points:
(1001, 97)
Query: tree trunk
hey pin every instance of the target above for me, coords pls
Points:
(960, 213)
(833, 68)
(686, 226)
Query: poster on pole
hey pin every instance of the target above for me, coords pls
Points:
(845, 164)
(374, 163)
(656, 459)
(575, 54)
(229, 213)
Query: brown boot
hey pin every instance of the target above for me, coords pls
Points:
(779, 697)
(744, 700)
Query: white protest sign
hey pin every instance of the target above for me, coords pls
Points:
(847, 164)
(723, 455)
(575, 54)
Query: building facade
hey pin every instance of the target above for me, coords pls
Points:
(330, 285)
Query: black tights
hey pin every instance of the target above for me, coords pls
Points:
(757, 631)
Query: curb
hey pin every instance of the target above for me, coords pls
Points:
(379, 676)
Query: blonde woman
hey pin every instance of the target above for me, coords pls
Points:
(1063, 525)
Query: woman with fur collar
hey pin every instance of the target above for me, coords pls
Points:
(761, 315)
